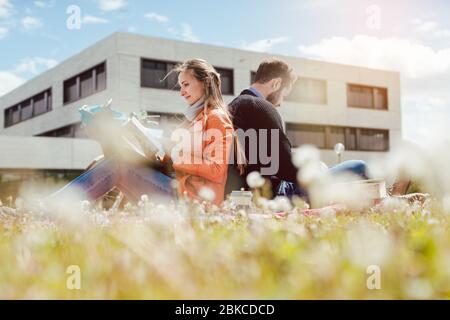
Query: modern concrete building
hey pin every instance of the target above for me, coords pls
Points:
(330, 103)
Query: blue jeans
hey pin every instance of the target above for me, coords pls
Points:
(132, 179)
(357, 167)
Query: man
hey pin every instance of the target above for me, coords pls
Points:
(261, 130)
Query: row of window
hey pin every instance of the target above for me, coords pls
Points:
(85, 83)
(75, 88)
(29, 108)
(307, 90)
(325, 137)
(156, 74)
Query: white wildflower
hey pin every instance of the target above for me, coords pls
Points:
(207, 194)
(304, 155)
(282, 204)
(85, 205)
(311, 173)
(255, 180)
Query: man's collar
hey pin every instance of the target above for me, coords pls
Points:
(256, 92)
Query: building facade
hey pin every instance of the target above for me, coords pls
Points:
(330, 103)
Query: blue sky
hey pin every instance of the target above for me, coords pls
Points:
(412, 37)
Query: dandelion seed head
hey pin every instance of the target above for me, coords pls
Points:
(255, 180)
(207, 194)
(311, 173)
(282, 204)
(304, 155)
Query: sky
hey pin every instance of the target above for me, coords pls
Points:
(412, 37)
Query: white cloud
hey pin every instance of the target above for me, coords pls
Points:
(188, 34)
(9, 81)
(31, 23)
(112, 5)
(3, 32)
(93, 20)
(413, 59)
(35, 65)
(264, 45)
(425, 76)
(430, 28)
(44, 3)
(5, 8)
(156, 17)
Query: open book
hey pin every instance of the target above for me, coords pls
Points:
(116, 130)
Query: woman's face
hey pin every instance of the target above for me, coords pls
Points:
(191, 89)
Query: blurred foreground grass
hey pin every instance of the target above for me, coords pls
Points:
(183, 252)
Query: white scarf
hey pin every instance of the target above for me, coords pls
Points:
(192, 111)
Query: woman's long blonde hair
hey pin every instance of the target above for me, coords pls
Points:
(206, 74)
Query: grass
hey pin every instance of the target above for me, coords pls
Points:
(186, 252)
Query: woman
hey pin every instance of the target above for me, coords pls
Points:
(200, 160)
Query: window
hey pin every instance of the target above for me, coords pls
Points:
(12, 116)
(87, 86)
(153, 75)
(367, 97)
(350, 138)
(226, 77)
(307, 90)
(16, 115)
(335, 135)
(40, 105)
(300, 134)
(85, 83)
(156, 74)
(28, 108)
(373, 140)
(70, 90)
(101, 77)
(325, 137)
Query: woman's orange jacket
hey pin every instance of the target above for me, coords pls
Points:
(206, 146)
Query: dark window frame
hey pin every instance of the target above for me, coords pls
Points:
(372, 88)
(48, 98)
(143, 59)
(77, 79)
(175, 88)
(358, 147)
(232, 78)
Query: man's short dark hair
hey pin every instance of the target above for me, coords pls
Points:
(275, 68)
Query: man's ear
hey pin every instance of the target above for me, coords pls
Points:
(276, 84)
